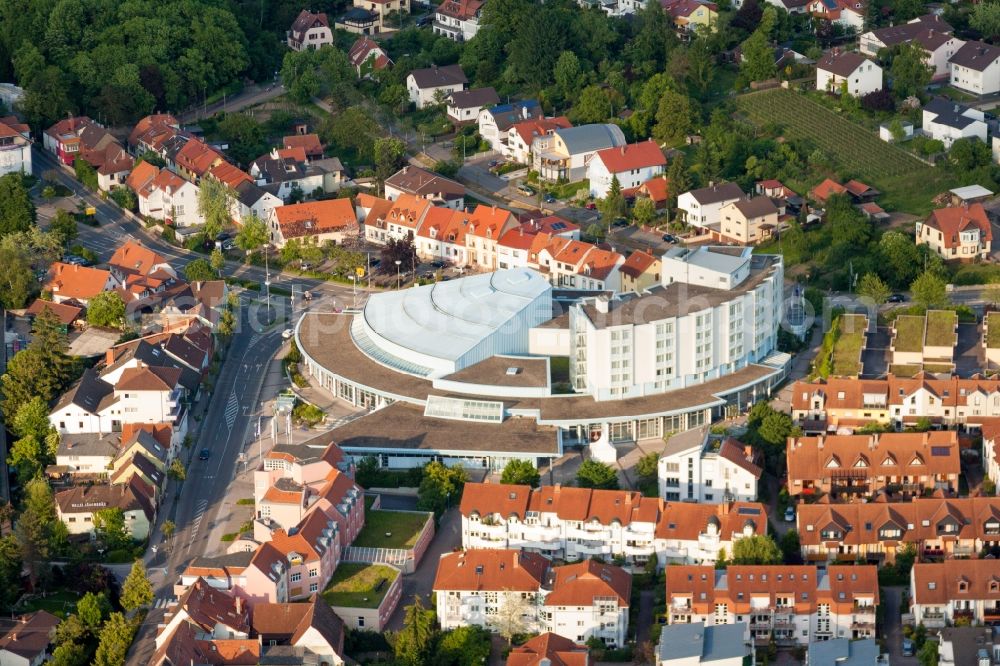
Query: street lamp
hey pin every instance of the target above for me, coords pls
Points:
(398, 262)
(354, 291)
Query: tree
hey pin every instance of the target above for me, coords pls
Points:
(874, 289)
(390, 154)
(136, 590)
(63, 225)
(106, 310)
(199, 270)
(986, 19)
(43, 369)
(514, 616)
(92, 609)
(116, 637)
(439, 486)
(613, 205)
(69, 654)
(215, 202)
(31, 418)
(678, 181)
(648, 465)
(675, 116)
(17, 279)
(463, 646)
(896, 130)
(17, 212)
(244, 135)
(756, 549)
(929, 291)
(644, 211)
(568, 75)
(217, 260)
(413, 642)
(86, 173)
(110, 528)
(252, 234)
(520, 472)
(70, 630)
(401, 250)
(168, 528)
(928, 654)
(791, 548)
(595, 474)
(28, 456)
(177, 471)
(969, 154)
(910, 72)
(38, 530)
(758, 57)
(898, 259)
(10, 570)
(991, 293)
(594, 106)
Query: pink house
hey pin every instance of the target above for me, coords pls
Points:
(312, 551)
(305, 464)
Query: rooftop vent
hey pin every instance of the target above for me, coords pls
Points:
(513, 370)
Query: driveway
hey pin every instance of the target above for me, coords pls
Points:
(893, 629)
(968, 352)
(875, 357)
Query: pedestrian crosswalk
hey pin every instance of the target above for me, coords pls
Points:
(344, 420)
(232, 410)
(199, 513)
(163, 602)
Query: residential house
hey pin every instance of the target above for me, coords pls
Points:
(949, 121)
(895, 466)
(284, 171)
(252, 200)
(549, 649)
(702, 208)
(385, 16)
(936, 527)
(487, 225)
(86, 407)
(309, 31)
(574, 264)
(427, 185)
(15, 146)
(134, 259)
(151, 131)
(640, 271)
(715, 469)
(76, 507)
(112, 164)
(195, 159)
(68, 314)
(576, 601)
(848, 71)
(514, 249)
(967, 645)
(848, 14)
(314, 222)
(213, 613)
(188, 643)
(747, 221)
(958, 232)
(464, 105)
(691, 15)
(929, 32)
(433, 85)
(402, 221)
(516, 145)
(654, 189)
(309, 143)
(442, 236)
(975, 67)
(287, 503)
(699, 643)
(72, 282)
(845, 652)
(826, 189)
(68, 138)
(458, 20)
(789, 604)
(87, 453)
(368, 57)
(27, 642)
(165, 196)
(310, 630)
(632, 165)
(943, 593)
(495, 122)
(312, 549)
(574, 523)
(565, 153)
(334, 174)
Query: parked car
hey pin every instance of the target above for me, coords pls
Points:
(228, 244)
(591, 205)
(437, 264)
(790, 514)
(897, 298)
(620, 222)
(494, 164)
(526, 190)
(287, 333)
(204, 454)
(548, 198)
(669, 238)
(908, 648)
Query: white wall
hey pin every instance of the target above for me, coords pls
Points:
(600, 177)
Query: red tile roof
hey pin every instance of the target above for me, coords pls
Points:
(65, 312)
(632, 156)
(316, 217)
(310, 143)
(579, 584)
(79, 282)
(951, 222)
(134, 257)
(823, 191)
(638, 263)
(492, 569)
(549, 649)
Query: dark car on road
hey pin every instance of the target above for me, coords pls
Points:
(896, 298)
(620, 222)
(669, 238)
(548, 198)
(204, 454)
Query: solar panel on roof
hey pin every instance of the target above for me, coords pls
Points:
(940, 450)
(558, 226)
(748, 511)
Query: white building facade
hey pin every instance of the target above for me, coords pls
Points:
(698, 467)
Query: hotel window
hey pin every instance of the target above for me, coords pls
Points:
(296, 577)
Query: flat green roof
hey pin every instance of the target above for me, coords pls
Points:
(847, 350)
(391, 529)
(359, 585)
(909, 333)
(993, 330)
(941, 328)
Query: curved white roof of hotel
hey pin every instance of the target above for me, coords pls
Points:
(446, 320)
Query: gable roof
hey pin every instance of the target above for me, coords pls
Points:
(717, 193)
(549, 649)
(66, 313)
(316, 217)
(912, 31)
(292, 620)
(309, 143)
(754, 207)
(207, 607)
(423, 183)
(437, 77)
(951, 114)
(632, 156)
(307, 20)
(363, 49)
(638, 263)
(828, 187)
(134, 257)
(75, 281)
(941, 582)
(527, 130)
(976, 56)
(841, 63)
(91, 393)
(473, 98)
(506, 115)
(590, 138)
(148, 378)
(90, 499)
(491, 569)
(580, 583)
(463, 10)
(951, 222)
(30, 636)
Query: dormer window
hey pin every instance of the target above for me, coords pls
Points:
(963, 586)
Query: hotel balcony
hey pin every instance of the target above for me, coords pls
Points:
(962, 550)
(593, 547)
(481, 542)
(991, 614)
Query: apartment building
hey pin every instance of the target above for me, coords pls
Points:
(877, 531)
(696, 466)
(696, 643)
(943, 593)
(492, 588)
(401, 222)
(896, 466)
(790, 604)
(838, 402)
(578, 523)
(15, 146)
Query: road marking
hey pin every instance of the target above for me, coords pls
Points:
(232, 409)
(162, 602)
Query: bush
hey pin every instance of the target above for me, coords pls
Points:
(307, 414)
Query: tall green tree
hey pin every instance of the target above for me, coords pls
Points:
(43, 369)
(215, 201)
(38, 531)
(594, 106)
(874, 289)
(110, 528)
(106, 310)
(758, 57)
(568, 75)
(756, 549)
(217, 260)
(986, 19)
(463, 646)
(10, 570)
(199, 270)
(116, 637)
(674, 119)
(520, 472)
(440, 487)
(390, 156)
(929, 291)
(252, 234)
(910, 72)
(92, 609)
(17, 212)
(136, 590)
(412, 644)
(598, 475)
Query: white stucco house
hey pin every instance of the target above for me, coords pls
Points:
(838, 70)
(632, 165)
(949, 121)
(976, 68)
(432, 85)
(698, 467)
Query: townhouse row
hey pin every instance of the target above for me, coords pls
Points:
(504, 590)
(579, 523)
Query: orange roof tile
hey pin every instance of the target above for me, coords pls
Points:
(79, 282)
(952, 221)
(316, 217)
(492, 569)
(632, 156)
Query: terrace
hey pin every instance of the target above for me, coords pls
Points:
(359, 585)
(391, 529)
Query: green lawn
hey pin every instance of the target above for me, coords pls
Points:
(907, 183)
(847, 350)
(62, 603)
(359, 585)
(941, 328)
(909, 333)
(404, 529)
(904, 370)
(993, 330)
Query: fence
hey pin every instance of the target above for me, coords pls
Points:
(397, 557)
